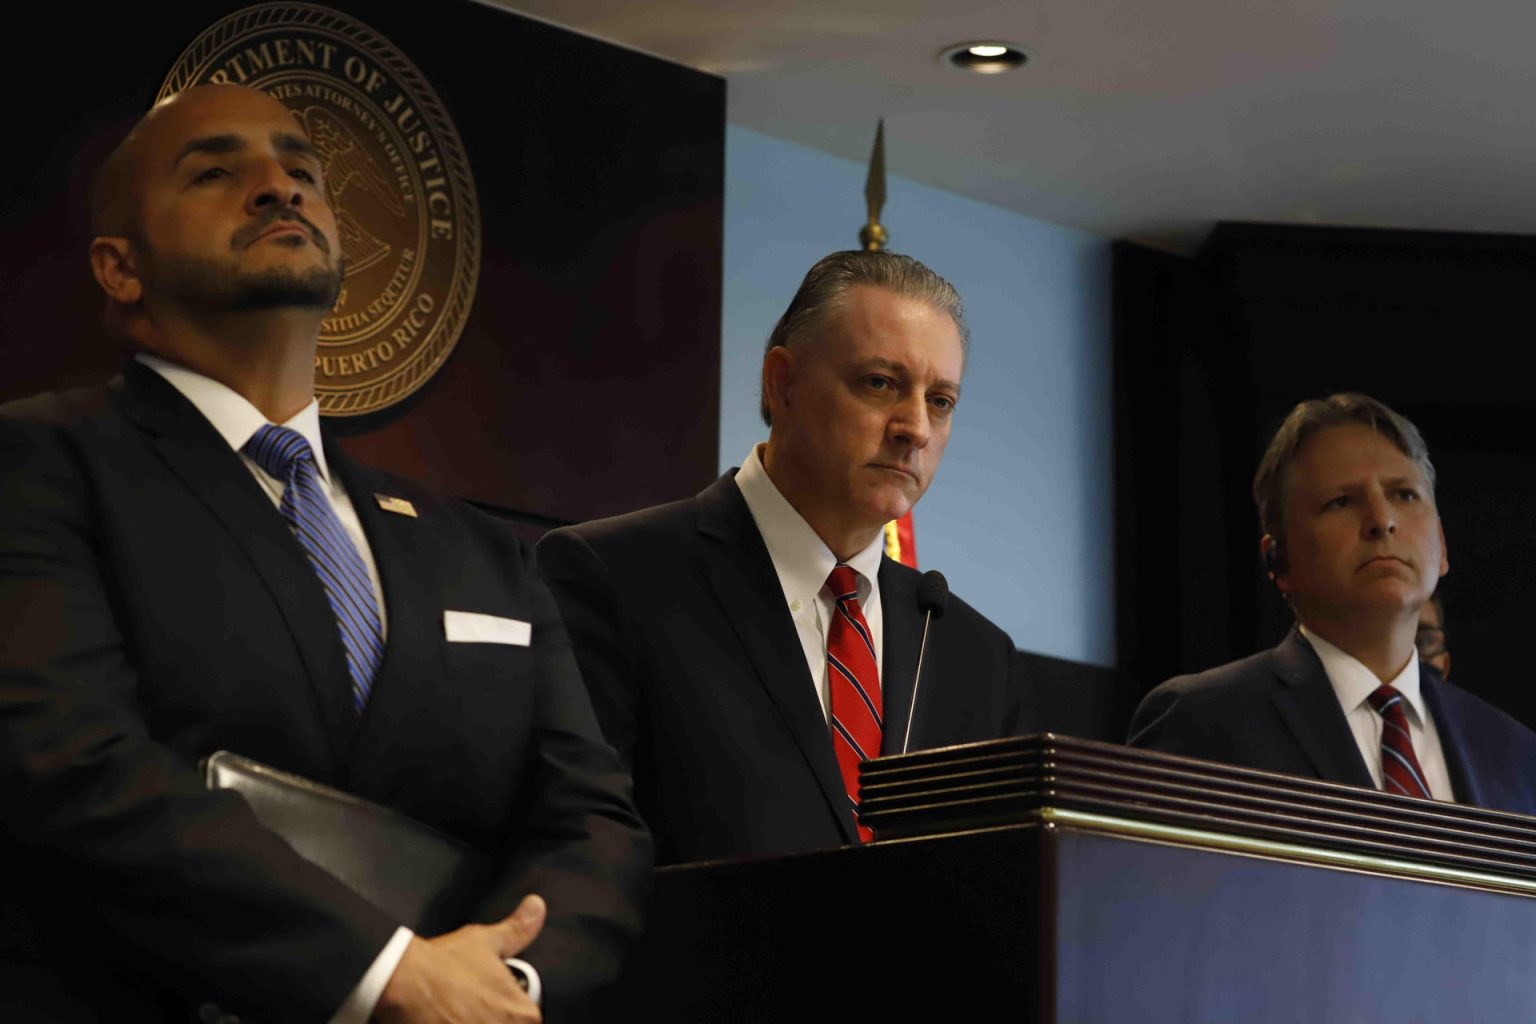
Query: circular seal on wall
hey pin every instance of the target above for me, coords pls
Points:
(396, 175)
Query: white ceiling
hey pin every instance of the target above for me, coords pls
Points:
(1136, 119)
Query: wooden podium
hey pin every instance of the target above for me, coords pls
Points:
(1053, 879)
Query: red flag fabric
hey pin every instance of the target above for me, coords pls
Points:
(900, 544)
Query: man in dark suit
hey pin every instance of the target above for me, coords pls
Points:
(1354, 543)
(714, 632)
(165, 596)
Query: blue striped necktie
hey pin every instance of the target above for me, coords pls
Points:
(286, 455)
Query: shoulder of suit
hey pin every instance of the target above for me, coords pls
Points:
(638, 529)
(64, 427)
(1235, 679)
(432, 507)
(386, 483)
(1477, 712)
(957, 611)
(61, 408)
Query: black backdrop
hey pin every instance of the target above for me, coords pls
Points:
(586, 381)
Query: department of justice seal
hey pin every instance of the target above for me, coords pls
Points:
(397, 178)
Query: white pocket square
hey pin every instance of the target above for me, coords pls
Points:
(474, 628)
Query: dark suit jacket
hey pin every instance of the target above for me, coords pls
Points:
(699, 679)
(1278, 712)
(157, 608)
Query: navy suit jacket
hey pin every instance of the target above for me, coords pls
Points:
(1277, 711)
(699, 679)
(157, 608)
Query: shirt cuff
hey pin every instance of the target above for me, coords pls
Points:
(535, 986)
(360, 1003)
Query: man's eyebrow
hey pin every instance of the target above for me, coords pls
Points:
(224, 144)
(287, 142)
(215, 145)
(899, 368)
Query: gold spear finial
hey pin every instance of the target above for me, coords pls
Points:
(872, 236)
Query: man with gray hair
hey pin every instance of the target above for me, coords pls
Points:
(746, 648)
(1353, 542)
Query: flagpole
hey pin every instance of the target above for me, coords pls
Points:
(900, 545)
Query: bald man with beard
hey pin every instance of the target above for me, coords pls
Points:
(163, 601)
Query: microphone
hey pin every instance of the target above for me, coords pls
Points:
(932, 596)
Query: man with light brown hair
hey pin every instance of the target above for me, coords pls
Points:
(1353, 542)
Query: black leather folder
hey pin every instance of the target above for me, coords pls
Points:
(422, 877)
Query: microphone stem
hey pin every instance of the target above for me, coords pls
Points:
(917, 681)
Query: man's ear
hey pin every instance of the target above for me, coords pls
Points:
(115, 265)
(1269, 551)
(1445, 559)
(778, 379)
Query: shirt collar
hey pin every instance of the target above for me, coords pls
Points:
(235, 418)
(1354, 683)
(802, 559)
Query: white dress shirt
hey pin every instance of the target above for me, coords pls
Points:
(1353, 684)
(803, 562)
(237, 420)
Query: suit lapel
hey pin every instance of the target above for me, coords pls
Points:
(1470, 777)
(406, 553)
(735, 562)
(1311, 711)
(196, 453)
(903, 636)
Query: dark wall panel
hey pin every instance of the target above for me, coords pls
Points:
(1178, 387)
(586, 381)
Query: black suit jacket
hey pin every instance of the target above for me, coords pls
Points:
(1277, 711)
(699, 679)
(157, 608)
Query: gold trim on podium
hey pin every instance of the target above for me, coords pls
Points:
(1294, 852)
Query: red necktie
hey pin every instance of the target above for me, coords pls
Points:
(853, 676)
(1400, 771)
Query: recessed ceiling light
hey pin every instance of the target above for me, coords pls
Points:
(985, 58)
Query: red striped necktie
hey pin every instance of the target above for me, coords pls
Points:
(1400, 771)
(853, 678)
